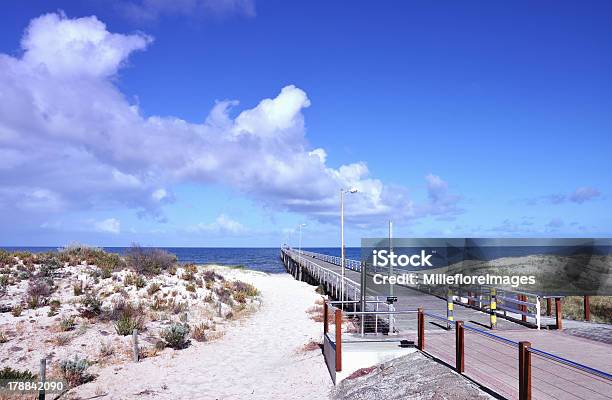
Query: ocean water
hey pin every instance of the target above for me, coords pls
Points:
(259, 259)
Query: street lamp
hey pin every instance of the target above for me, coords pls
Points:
(300, 242)
(342, 191)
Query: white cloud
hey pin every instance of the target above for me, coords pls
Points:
(222, 224)
(110, 225)
(153, 9)
(71, 133)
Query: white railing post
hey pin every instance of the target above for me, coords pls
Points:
(538, 311)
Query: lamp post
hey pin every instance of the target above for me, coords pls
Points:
(342, 191)
(300, 242)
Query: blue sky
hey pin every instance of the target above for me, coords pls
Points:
(197, 122)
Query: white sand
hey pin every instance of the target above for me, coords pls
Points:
(259, 357)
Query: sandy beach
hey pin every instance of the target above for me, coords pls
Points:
(260, 356)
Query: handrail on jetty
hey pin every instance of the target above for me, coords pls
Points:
(510, 368)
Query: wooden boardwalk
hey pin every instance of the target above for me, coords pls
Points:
(493, 364)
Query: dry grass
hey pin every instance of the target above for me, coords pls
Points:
(311, 346)
(600, 306)
(61, 339)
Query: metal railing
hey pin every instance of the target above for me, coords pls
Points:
(513, 304)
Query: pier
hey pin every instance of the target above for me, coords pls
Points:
(509, 351)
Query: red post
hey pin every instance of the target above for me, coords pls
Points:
(587, 308)
(421, 330)
(338, 340)
(470, 301)
(524, 371)
(459, 347)
(325, 317)
(548, 307)
(558, 313)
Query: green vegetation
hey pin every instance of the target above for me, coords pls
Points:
(127, 323)
(66, 324)
(13, 374)
(75, 370)
(175, 335)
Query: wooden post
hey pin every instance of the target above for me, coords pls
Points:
(325, 316)
(459, 347)
(338, 340)
(558, 313)
(524, 308)
(135, 339)
(524, 371)
(548, 307)
(587, 308)
(43, 375)
(421, 330)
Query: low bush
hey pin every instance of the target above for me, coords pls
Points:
(6, 259)
(67, 324)
(126, 324)
(91, 306)
(190, 287)
(3, 337)
(14, 374)
(199, 332)
(135, 280)
(75, 370)
(38, 291)
(77, 289)
(149, 261)
(211, 276)
(17, 310)
(153, 288)
(175, 335)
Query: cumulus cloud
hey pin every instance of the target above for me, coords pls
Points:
(110, 225)
(73, 141)
(222, 224)
(149, 10)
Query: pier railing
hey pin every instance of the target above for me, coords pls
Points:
(511, 304)
(512, 369)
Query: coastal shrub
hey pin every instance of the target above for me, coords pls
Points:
(61, 339)
(14, 374)
(126, 324)
(177, 307)
(153, 288)
(158, 304)
(4, 280)
(106, 349)
(212, 276)
(223, 294)
(199, 332)
(91, 306)
(67, 324)
(175, 335)
(6, 258)
(187, 276)
(149, 261)
(54, 305)
(106, 273)
(17, 310)
(135, 280)
(77, 289)
(191, 268)
(38, 291)
(75, 370)
(3, 337)
(190, 287)
(246, 288)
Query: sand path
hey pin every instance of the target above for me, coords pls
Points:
(259, 358)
